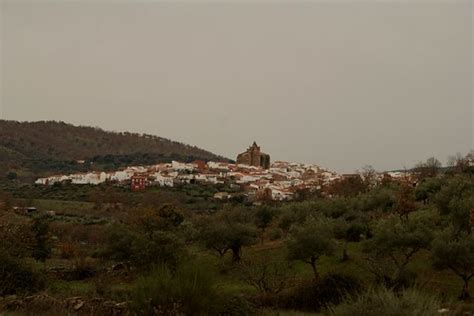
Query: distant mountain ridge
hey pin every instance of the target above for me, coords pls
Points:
(46, 147)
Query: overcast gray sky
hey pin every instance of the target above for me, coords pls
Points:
(341, 84)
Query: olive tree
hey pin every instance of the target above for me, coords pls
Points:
(309, 242)
(263, 218)
(455, 200)
(227, 231)
(267, 276)
(348, 231)
(405, 201)
(393, 246)
(238, 236)
(427, 189)
(138, 249)
(455, 251)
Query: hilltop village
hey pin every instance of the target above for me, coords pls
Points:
(253, 174)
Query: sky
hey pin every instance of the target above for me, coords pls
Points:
(341, 84)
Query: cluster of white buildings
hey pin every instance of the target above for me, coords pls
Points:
(282, 180)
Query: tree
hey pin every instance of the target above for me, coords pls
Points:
(350, 185)
(348, 231)
(462, 164)
(42, 247)
(239, 235)
(267, 276)
(405, 201)
(428, 169)
(164, 248)
(166, 218)
(228, 230)
(393, 246)
(455, 251)
(455, 200)
(214, 237)
(379, 199)
(118, 243)
(138, 249)
(294, 214)
(263, 218)
(309, 243)
(369, 176)
(170, 217)
(427, 189)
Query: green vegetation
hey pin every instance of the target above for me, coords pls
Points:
(386, 302)
(17, 277)
(42, 247)
(190, 289)
(360, 247)
(455, 251)
(310, 242)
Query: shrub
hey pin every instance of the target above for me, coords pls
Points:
(83, 268)
(188, 290)
(163, 248)
(40, 229)
(12, 176)
(388, 303)
(17, 240)
(67, 250)
(102, 285)
(143, 250)
(17, 278)
(275, 234)
(316, 294)
(118, 245)
(236, 305)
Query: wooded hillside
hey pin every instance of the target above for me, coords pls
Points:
(49, 146)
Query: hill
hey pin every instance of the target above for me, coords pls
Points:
(38, 148)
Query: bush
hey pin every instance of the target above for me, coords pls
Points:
(388, 303)
(67, 250)
(16, 278)
(236, 305)
(188, 290)
(143, 251)
(84, 268)
(314, 295)
(118, 243)
(163, 248)
(275, 234)
(40, 229)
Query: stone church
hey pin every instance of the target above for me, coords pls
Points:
(254, 157)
